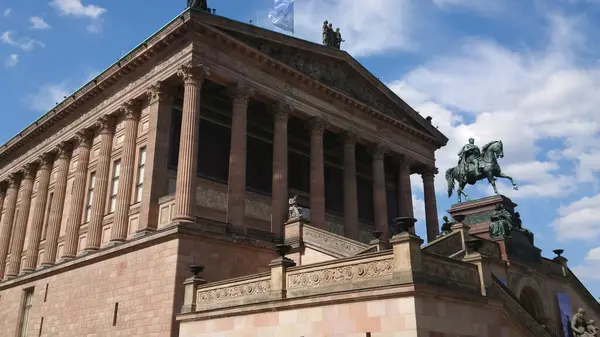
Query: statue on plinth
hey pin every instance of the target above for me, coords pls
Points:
(502, 222)
(581, 327)
(331, 39)
(446, 227)
(294, 210)
(474, 165)
(518, 225)
(197, 4)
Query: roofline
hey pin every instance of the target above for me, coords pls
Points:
(9, 144)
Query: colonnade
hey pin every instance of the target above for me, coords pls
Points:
(15, 225)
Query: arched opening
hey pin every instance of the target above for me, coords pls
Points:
(532, 303)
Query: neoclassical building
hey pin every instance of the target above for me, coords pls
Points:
(185, 152)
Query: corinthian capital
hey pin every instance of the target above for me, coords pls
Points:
(84, 138)
(349, 138)
(106, 124)
(45, 161)
(14, 179)
(29, 171)
(156, 92)
(282, 111)
(378, 151)
(193, 73)
(241, 91)
(63, 150)
(317, 126)
(131, 109)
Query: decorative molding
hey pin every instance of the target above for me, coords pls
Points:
(282, 111)
(331, 242)
(339, 274)
(46, 160)
(444, 269)
(63, 150)
(29, 171)
(241, 91)
(349, 138)
(130, 109)
(378, 151)
(14, 179)
(106, 124)
(250, 288)
(156, 92)
(317, 126)
(84, 138)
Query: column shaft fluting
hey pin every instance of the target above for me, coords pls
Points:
(157, 157)
(58, 204)
(18, 240)
(94, 239)
(121, 218)
(84, 141)
(187, 167)
(279, 188)
(379, 195)
(39, 209)
(14, 181)
(317, 174)
(405, 203)
(236, 184)
(431, 214)
(351, 227)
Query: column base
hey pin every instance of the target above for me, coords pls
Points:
(9, 277)
(45, 266)
(144, 232)
(66, 259)
(114, 243)
(88, 251)
(184, 218)
(27, 271)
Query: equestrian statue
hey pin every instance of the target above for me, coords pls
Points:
(474, 165)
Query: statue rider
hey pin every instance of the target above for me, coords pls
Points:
(469, 158)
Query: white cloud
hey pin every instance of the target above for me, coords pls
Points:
(25, 44)
(12, 60)
(38, 23)
(393, 30)
(524, 98)
(589, 268)
(7, 12)
(77, 9)
(578, 220)
(48, 96)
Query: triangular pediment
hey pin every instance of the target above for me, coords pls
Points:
(333, 68)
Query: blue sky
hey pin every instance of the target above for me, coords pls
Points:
(523, 71)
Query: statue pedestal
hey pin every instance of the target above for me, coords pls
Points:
(477, 215)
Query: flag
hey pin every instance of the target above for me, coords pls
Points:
(282, 14)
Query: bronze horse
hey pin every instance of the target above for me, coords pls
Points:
(488, 168)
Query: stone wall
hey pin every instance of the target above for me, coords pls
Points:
(144, 277)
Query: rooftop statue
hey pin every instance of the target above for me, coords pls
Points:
(332, 39)
(518, 225)
(198, 4)
(446, 227)
(474, 165)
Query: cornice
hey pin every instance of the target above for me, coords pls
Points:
(124, 66)
(437, 138)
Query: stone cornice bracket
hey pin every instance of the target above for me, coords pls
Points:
(131, 109)
(378, 151)
(317, 126)
(156, 92)
(63, 150)
(14, 179)
(29, 170)
(106, 124)
(45, 161)
(193, 73)
(241, 91)
(84, 138)
(282, 110)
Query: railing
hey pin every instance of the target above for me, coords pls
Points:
(238, 291)
(446, 245)
(447, 271)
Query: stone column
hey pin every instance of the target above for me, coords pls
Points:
(351, 227)
(39, 210)
(431, 214)
(84, 144)
(94, 238)
(18, 240)
(131, 110)
(405, 203)
(187, 168)
(58, 204)
(317, 173)
(14, 183)
(236, 185)
(379, 195)
(157, 157)
(279, 194)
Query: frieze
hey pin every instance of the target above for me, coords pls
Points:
(252, 288)
(330, 241)
(339, 274)
(87, 119)
(443, 269)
